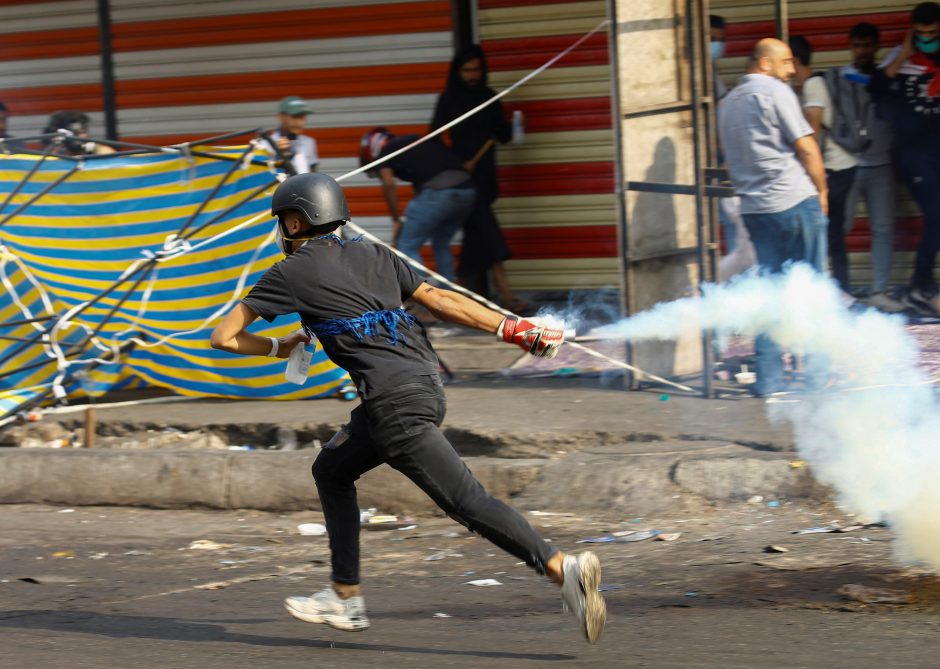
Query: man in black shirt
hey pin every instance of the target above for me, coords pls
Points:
(444, 193)
(349, 295)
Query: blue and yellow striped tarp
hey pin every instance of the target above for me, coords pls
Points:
(111, 217)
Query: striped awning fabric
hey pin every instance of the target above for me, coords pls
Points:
(107, 232)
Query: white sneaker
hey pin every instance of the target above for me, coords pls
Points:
(580, 595)
(326, 607)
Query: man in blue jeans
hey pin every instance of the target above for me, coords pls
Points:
(777, 170)
(444, 193)
(349, 294)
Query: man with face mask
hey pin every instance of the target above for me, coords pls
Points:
(349, 295)
(777, 170)
(906, 90)
(716, 49)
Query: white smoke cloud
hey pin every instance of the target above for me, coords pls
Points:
(873, 433)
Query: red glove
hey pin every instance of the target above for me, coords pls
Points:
(531, 337)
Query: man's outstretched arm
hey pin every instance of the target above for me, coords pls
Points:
(453, 307)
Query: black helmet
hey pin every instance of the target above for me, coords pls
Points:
(316, 196)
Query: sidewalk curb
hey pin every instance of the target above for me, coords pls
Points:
(281, 481)
(275, 480)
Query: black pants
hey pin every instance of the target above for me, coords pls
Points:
(401, 428)
(840, 183)
(920, 169)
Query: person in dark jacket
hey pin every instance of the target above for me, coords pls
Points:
(906, 92)
(473, 140)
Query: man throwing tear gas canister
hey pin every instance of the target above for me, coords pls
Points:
(349, 294)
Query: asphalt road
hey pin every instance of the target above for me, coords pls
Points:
(108, 587)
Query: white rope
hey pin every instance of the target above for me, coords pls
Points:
(495, 307)
(5, 255)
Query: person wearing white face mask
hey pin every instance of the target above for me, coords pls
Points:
(906, 92)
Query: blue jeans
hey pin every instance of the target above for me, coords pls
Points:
(435, 214)
(402, 428)
(795, 235)
(876, 185)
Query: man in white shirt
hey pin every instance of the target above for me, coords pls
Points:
(777, 170)
(840, 171)
(296, 147)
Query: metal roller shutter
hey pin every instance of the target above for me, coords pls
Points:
(557, 205)
(186, 70)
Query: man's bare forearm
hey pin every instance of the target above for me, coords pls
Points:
(453, 307)
(807, 150)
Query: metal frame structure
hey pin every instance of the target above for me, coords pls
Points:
(702, 108)
(708, 179)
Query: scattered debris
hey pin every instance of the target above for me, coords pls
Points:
(384, 526)
(755, 499)
(483, 582)
(624, 537)
(311, 529)
(639, 536)
(207, 545)
(441, 615)
(774, 504)
(775, 549)
(48, 580)
(667, 537)
(797, 464)
(869, 595)
(801, 564)
(66, 511)
(63, 554)
(440, 555)
(832, 528)
(550, 513)
(97, 556)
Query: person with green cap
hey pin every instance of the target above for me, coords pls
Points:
(297, 148)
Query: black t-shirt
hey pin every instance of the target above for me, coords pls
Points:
(326, 280)
(422, 163)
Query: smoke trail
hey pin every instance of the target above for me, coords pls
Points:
(874, 433)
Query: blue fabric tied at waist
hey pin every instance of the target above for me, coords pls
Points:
(364, 326)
